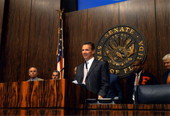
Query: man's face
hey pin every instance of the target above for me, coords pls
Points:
(55, 75)
(87, 52)
(137, 66)
(33, 72)
(167, 64)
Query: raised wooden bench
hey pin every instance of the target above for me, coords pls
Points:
(50, 93)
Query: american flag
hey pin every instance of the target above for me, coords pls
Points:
(60, 54)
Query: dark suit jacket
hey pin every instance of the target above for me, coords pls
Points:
(145, 79)
(115, 88)
(97, 80)
(165, 76)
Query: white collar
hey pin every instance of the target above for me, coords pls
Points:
(138, 74)
(89, 63)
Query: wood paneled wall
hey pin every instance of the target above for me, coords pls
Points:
(2, 3)
(150, 17)
(162, 31)
(29, 38)
(30, 34)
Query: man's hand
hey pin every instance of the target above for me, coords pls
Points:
(100, 97)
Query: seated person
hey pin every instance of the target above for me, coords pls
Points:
(166, 75)
(138, 77)
(115, 91)
(33, 73)
(55, 74)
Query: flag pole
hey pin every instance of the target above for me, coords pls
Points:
(60, 49)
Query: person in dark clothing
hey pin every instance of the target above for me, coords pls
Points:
(115, 90)
(138, 77)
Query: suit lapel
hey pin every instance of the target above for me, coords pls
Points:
(81, 72)
(92, 66)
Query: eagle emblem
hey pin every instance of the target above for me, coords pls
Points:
(120, 46)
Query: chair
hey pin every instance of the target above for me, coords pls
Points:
(153, 94)
(115, 91)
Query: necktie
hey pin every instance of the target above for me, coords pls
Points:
(135, 85)
(86, 65)
(137, 80)
(85, 72)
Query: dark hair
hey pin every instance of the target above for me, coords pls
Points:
(32, 67)
(91, 44)
(57, 71)
(139, 61)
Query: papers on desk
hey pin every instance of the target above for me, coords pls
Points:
(100, 101)
(75, 82)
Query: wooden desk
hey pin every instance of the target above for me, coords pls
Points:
(74, 97)
(159, 107)
(50, 93)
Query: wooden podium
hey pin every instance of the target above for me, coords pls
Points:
(76, 95)
(50, 93)
(58, 94)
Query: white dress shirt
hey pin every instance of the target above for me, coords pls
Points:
(86, 69)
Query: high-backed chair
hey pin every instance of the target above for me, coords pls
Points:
(153, 94)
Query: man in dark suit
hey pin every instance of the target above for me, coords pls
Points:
(138, 77)
(166, 75)
(93, 74)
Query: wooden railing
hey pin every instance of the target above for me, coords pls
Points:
(58, 94)
(50, 93)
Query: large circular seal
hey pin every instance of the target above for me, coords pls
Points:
(120, 46)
